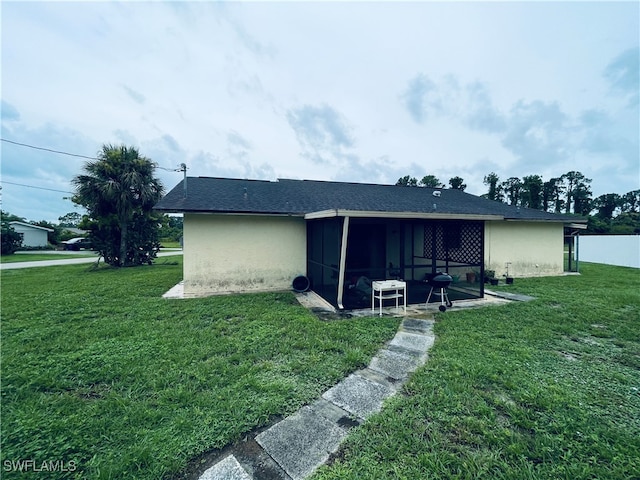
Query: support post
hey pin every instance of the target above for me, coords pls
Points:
(577, 252)
(343, 261)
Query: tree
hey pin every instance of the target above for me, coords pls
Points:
(606, 205)
(493, 182)
(626, 223)
(10, 217)
(10, 239)
(457, 183)
(512, 187)
(119, 192)
(171, 228)
(630, 202)
(576, 185)
(552, 191)
(582, 200)
(430, 181)
(531, 195)
(70, 220)
(407, 181)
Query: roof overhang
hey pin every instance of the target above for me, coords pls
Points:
(398, 215)
(240, 214)
(579, 226)
(548, 220)
(28, 225)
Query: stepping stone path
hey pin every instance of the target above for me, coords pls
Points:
(296, 446)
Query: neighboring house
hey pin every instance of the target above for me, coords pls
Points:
(251, 235)
(32, 235)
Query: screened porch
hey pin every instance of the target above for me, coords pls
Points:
(341, 250)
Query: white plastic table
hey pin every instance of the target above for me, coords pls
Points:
(382, 290)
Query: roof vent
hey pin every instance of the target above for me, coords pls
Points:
(437, 193)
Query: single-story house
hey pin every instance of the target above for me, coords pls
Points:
(254, 235)
(32, 235)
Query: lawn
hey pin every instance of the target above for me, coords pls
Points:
(36, 257)
(104, 379)
(548, 389)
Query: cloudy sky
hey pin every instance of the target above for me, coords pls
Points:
(348, 91)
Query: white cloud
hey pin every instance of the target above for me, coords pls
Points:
(322, 131)
(354, 91)
(622, 73)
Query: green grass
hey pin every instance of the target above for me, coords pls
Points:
(99, 370)
(548, 389)
(36, 257)
(170, 244)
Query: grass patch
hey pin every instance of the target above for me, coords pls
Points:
(170, 244)
(98, 370)
(548, 389)
(36, 257)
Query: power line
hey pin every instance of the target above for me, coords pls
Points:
(33, 186)
(48, 149)
(179, 169)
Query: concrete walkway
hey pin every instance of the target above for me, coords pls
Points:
(66, 261)
(296, 446)
(293, 448)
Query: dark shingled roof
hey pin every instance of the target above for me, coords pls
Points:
(300, 197)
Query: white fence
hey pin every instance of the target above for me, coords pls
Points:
(621, 250)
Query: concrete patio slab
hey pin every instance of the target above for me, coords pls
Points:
(313, 301)
(227, 469)
(417, 325)
(359, 395)
(177, 291)
(330, 411)
(515, 297)
(413, 341)
(395, 364)
(301, 442)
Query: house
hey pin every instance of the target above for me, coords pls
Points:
(32, 235)
(253, 235)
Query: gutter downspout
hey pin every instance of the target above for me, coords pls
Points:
(343, 261)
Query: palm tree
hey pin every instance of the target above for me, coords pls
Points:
(119, 185)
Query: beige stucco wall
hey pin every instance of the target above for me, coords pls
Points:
(534, 249)
(241, 253)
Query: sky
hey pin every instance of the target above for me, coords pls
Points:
(342, 91)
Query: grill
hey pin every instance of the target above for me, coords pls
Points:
(439, 282)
